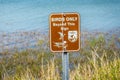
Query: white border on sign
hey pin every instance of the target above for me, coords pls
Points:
(79, 29)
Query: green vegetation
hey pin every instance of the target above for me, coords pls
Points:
(98, 59)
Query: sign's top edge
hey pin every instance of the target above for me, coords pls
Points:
(65, 13)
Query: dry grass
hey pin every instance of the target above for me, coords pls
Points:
(97, 68)
(98, 59)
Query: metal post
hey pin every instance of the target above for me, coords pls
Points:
(65, 59)
(65, 66)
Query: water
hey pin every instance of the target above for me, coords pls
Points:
(28, 15)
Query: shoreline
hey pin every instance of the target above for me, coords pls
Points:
(21, 40)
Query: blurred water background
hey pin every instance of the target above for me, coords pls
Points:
(17, 15)
(23, 21)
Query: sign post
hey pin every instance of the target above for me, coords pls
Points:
(65, 37)
(65, 66)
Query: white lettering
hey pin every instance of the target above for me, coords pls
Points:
(58, 19)
(59, 24)
(71, 24)
(71, 18)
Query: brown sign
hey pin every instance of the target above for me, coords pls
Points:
(64, 32)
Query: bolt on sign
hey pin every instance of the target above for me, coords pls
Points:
(64, 32)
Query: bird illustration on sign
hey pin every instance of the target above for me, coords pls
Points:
(63, 43)
(60, 44)
(61, 35)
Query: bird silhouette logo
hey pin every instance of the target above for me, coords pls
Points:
(72, 36)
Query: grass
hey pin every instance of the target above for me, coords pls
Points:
(95, 69)
(98, 59)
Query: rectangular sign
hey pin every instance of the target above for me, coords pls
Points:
(64, 32)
